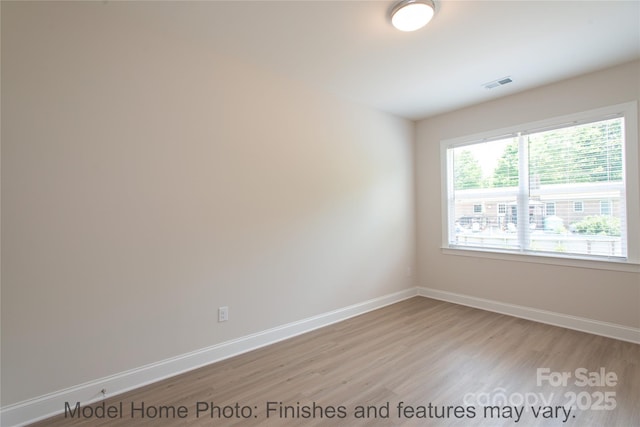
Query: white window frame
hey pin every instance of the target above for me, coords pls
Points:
(629, 111)
(609, 207)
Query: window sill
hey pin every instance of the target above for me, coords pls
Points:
(596, 264)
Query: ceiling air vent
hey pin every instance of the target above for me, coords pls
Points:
(496, 83)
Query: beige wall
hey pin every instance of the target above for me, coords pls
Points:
(595, 294)
(147, 180)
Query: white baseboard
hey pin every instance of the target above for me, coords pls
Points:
(611, 330)
(45, 406)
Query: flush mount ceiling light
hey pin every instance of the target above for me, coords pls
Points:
(411, 15)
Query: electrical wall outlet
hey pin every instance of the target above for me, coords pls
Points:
(223, 314)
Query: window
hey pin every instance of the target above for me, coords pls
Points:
(560, 187)
(550, 209)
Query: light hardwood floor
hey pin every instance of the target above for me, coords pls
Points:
(417, 353)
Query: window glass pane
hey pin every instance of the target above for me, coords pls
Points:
(577, 168)
(484, 210)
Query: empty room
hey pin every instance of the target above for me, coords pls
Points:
(320, 213)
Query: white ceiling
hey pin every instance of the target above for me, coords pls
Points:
(350, 49)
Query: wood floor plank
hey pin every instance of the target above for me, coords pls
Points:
(446, 360)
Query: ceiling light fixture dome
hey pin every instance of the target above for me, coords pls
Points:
(411, 15)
